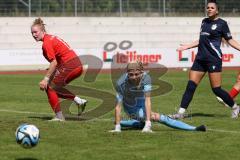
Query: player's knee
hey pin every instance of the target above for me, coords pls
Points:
(217, 90)
(155, 116)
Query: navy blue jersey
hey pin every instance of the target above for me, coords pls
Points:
(211, 34)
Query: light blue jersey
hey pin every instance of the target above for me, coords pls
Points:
(132, 97)
(133, 100)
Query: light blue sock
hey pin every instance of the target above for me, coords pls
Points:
(175, 123)
(132, 123)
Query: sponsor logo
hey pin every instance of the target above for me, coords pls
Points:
(185, 57)
(124, 54)
(129, 56)
(214, 26)
(227, 57)
(190, 57)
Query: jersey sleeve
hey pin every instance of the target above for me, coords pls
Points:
(49, 52)
(147, 84)
(202, 23)
(119, 96)
(226, 32)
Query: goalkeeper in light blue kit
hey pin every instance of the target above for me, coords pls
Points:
(133, 92)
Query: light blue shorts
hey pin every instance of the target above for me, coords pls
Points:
(136, 113)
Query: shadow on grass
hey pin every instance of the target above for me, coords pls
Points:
(205, 115)
(130, 129)
(26, 158)
(42, 118)
(47, 118)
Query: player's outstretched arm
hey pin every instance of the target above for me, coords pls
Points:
(234, 44)
(117, 118)
(183, 47)
(147, 127)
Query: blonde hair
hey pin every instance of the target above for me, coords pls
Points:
(135, 65)
(39, 22)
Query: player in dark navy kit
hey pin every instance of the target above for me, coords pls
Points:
(209, 59)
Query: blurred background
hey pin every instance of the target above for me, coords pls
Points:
(125, 8)
(154, 28)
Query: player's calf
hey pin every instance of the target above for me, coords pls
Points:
(221, 101)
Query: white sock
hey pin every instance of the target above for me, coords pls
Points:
(234, 106)
(59, 115)
(181, 110)
(77, 99)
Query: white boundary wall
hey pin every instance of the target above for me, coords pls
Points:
(155, 39)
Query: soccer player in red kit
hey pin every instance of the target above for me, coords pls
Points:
(236, 88)
(234, 91)
(64, 67)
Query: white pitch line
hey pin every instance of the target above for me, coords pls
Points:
(106, 119)
(223, 131)
(23, 112)
(49, 114)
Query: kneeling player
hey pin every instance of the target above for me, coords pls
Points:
(133, 92)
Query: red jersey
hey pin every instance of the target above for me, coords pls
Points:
(55, 48)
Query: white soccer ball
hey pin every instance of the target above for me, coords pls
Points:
(27, 135)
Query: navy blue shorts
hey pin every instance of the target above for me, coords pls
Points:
(204, 66)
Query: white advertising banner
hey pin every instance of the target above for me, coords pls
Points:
(168, 57)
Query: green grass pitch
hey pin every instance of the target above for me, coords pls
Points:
(21, 101)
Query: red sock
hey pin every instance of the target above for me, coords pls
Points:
(53, 100)
(233, 93)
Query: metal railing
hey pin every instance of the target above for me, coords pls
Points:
(131, 8)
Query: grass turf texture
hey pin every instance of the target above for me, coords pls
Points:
(91, 140)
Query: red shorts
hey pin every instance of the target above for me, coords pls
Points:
(67, 72)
